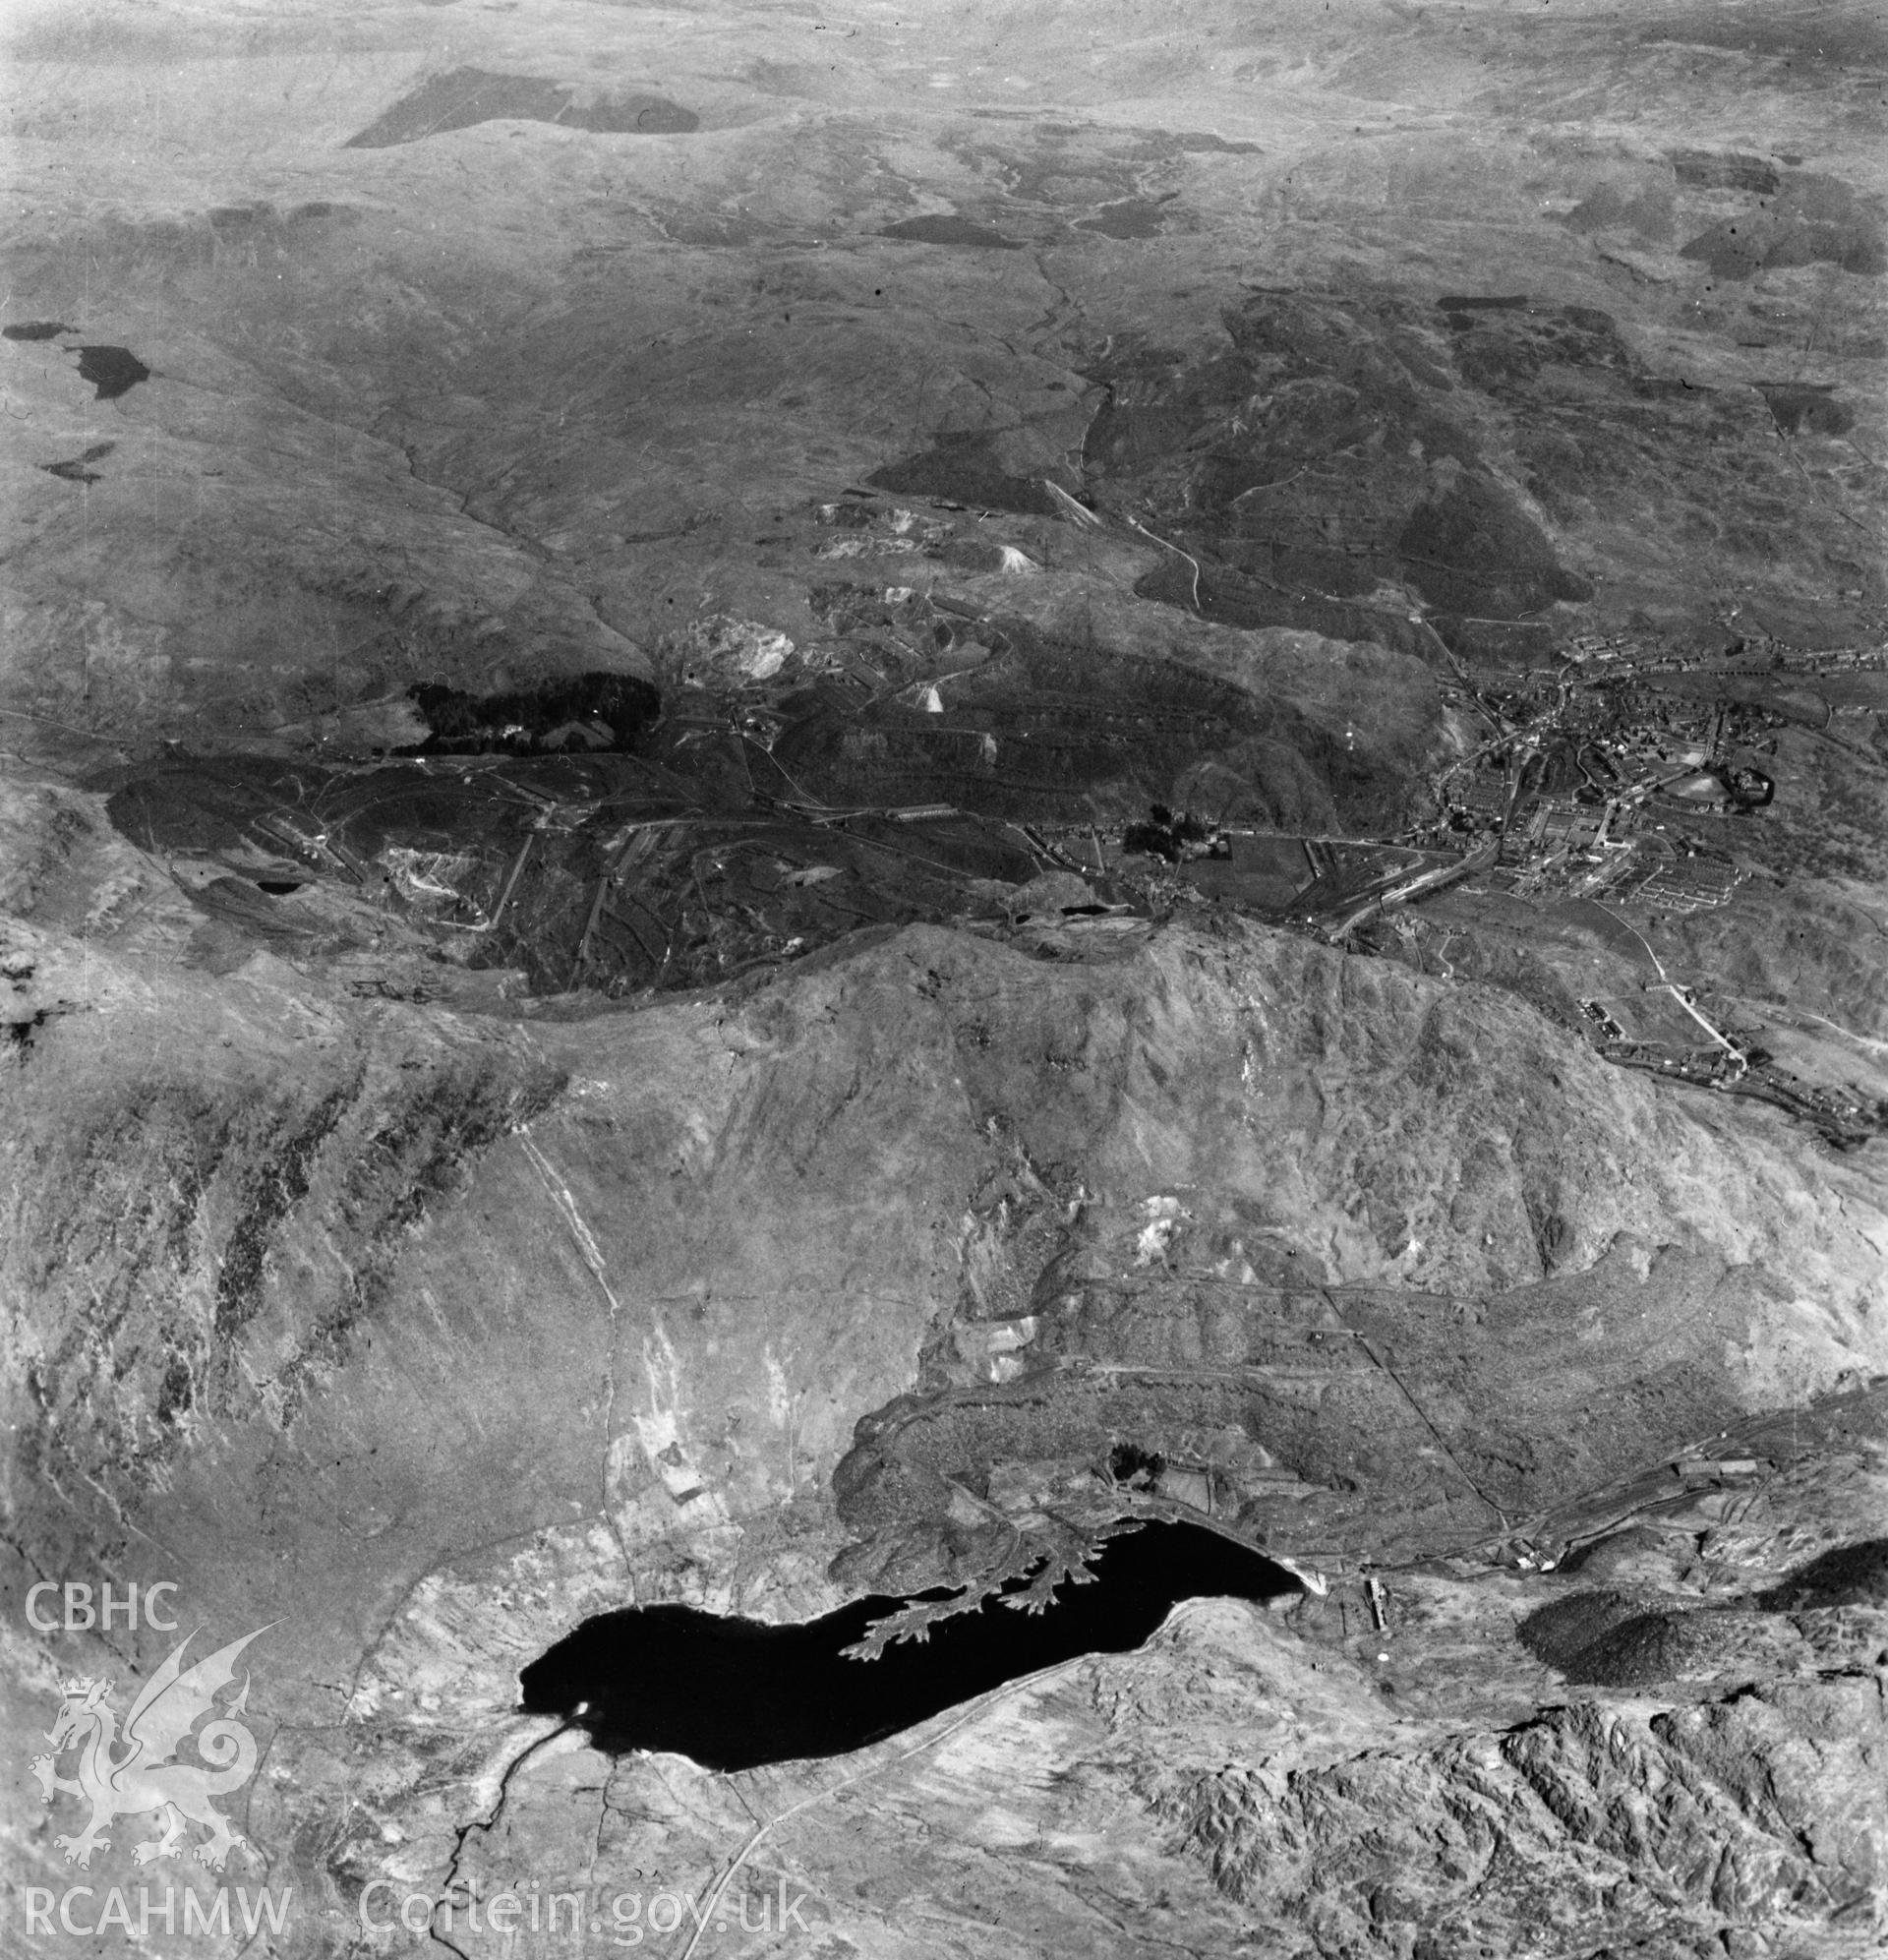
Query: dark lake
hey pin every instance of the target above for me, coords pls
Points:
(734, 1693)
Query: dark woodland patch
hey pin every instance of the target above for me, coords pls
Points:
(1812, 407)
(74, 469)
(113, 371)
(960, 467)
(579, 712)
(468, 96)
(1132, 217)
(946, 229)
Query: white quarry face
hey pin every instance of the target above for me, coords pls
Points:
(813, 824)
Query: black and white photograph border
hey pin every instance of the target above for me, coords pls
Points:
(944, 980)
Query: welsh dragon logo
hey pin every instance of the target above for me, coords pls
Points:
(147, 1776)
